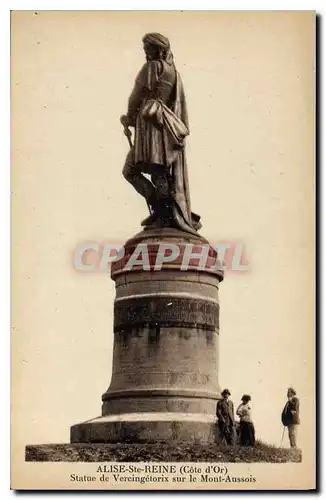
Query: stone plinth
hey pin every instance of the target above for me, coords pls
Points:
(165, 360)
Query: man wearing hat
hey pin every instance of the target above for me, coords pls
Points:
(157, 110)
(225, 415)
(290, 416)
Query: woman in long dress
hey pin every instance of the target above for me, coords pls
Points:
(247, 429)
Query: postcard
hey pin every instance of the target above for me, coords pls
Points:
(163, 287)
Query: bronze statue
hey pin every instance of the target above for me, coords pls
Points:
(157, 111)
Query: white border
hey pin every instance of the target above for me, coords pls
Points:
(5, 7)
(164, 5)
(5, 249)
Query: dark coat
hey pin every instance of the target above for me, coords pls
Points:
(225, 412)
(290, 413)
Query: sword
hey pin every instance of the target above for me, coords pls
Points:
(125, 123)
(128, 134)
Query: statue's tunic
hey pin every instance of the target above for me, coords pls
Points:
(156, 80)
(157, 109)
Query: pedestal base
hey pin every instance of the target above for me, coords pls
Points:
(164, 385)
(147, 428)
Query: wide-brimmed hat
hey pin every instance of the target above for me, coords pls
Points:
(226, 391)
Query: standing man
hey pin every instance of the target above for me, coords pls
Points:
(290, 416)
(225, 415)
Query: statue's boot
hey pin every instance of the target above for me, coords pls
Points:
(153, 207)
(161, 213)
(151, 219)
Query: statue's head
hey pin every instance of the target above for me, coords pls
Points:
(157, 46)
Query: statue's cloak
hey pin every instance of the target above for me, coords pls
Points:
(182, 208)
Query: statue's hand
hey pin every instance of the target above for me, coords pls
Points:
(124, 119)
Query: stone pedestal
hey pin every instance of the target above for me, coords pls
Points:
(165, 362)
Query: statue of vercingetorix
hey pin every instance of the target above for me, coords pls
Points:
(157, 110)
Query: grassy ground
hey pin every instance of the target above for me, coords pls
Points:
(159, 452)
